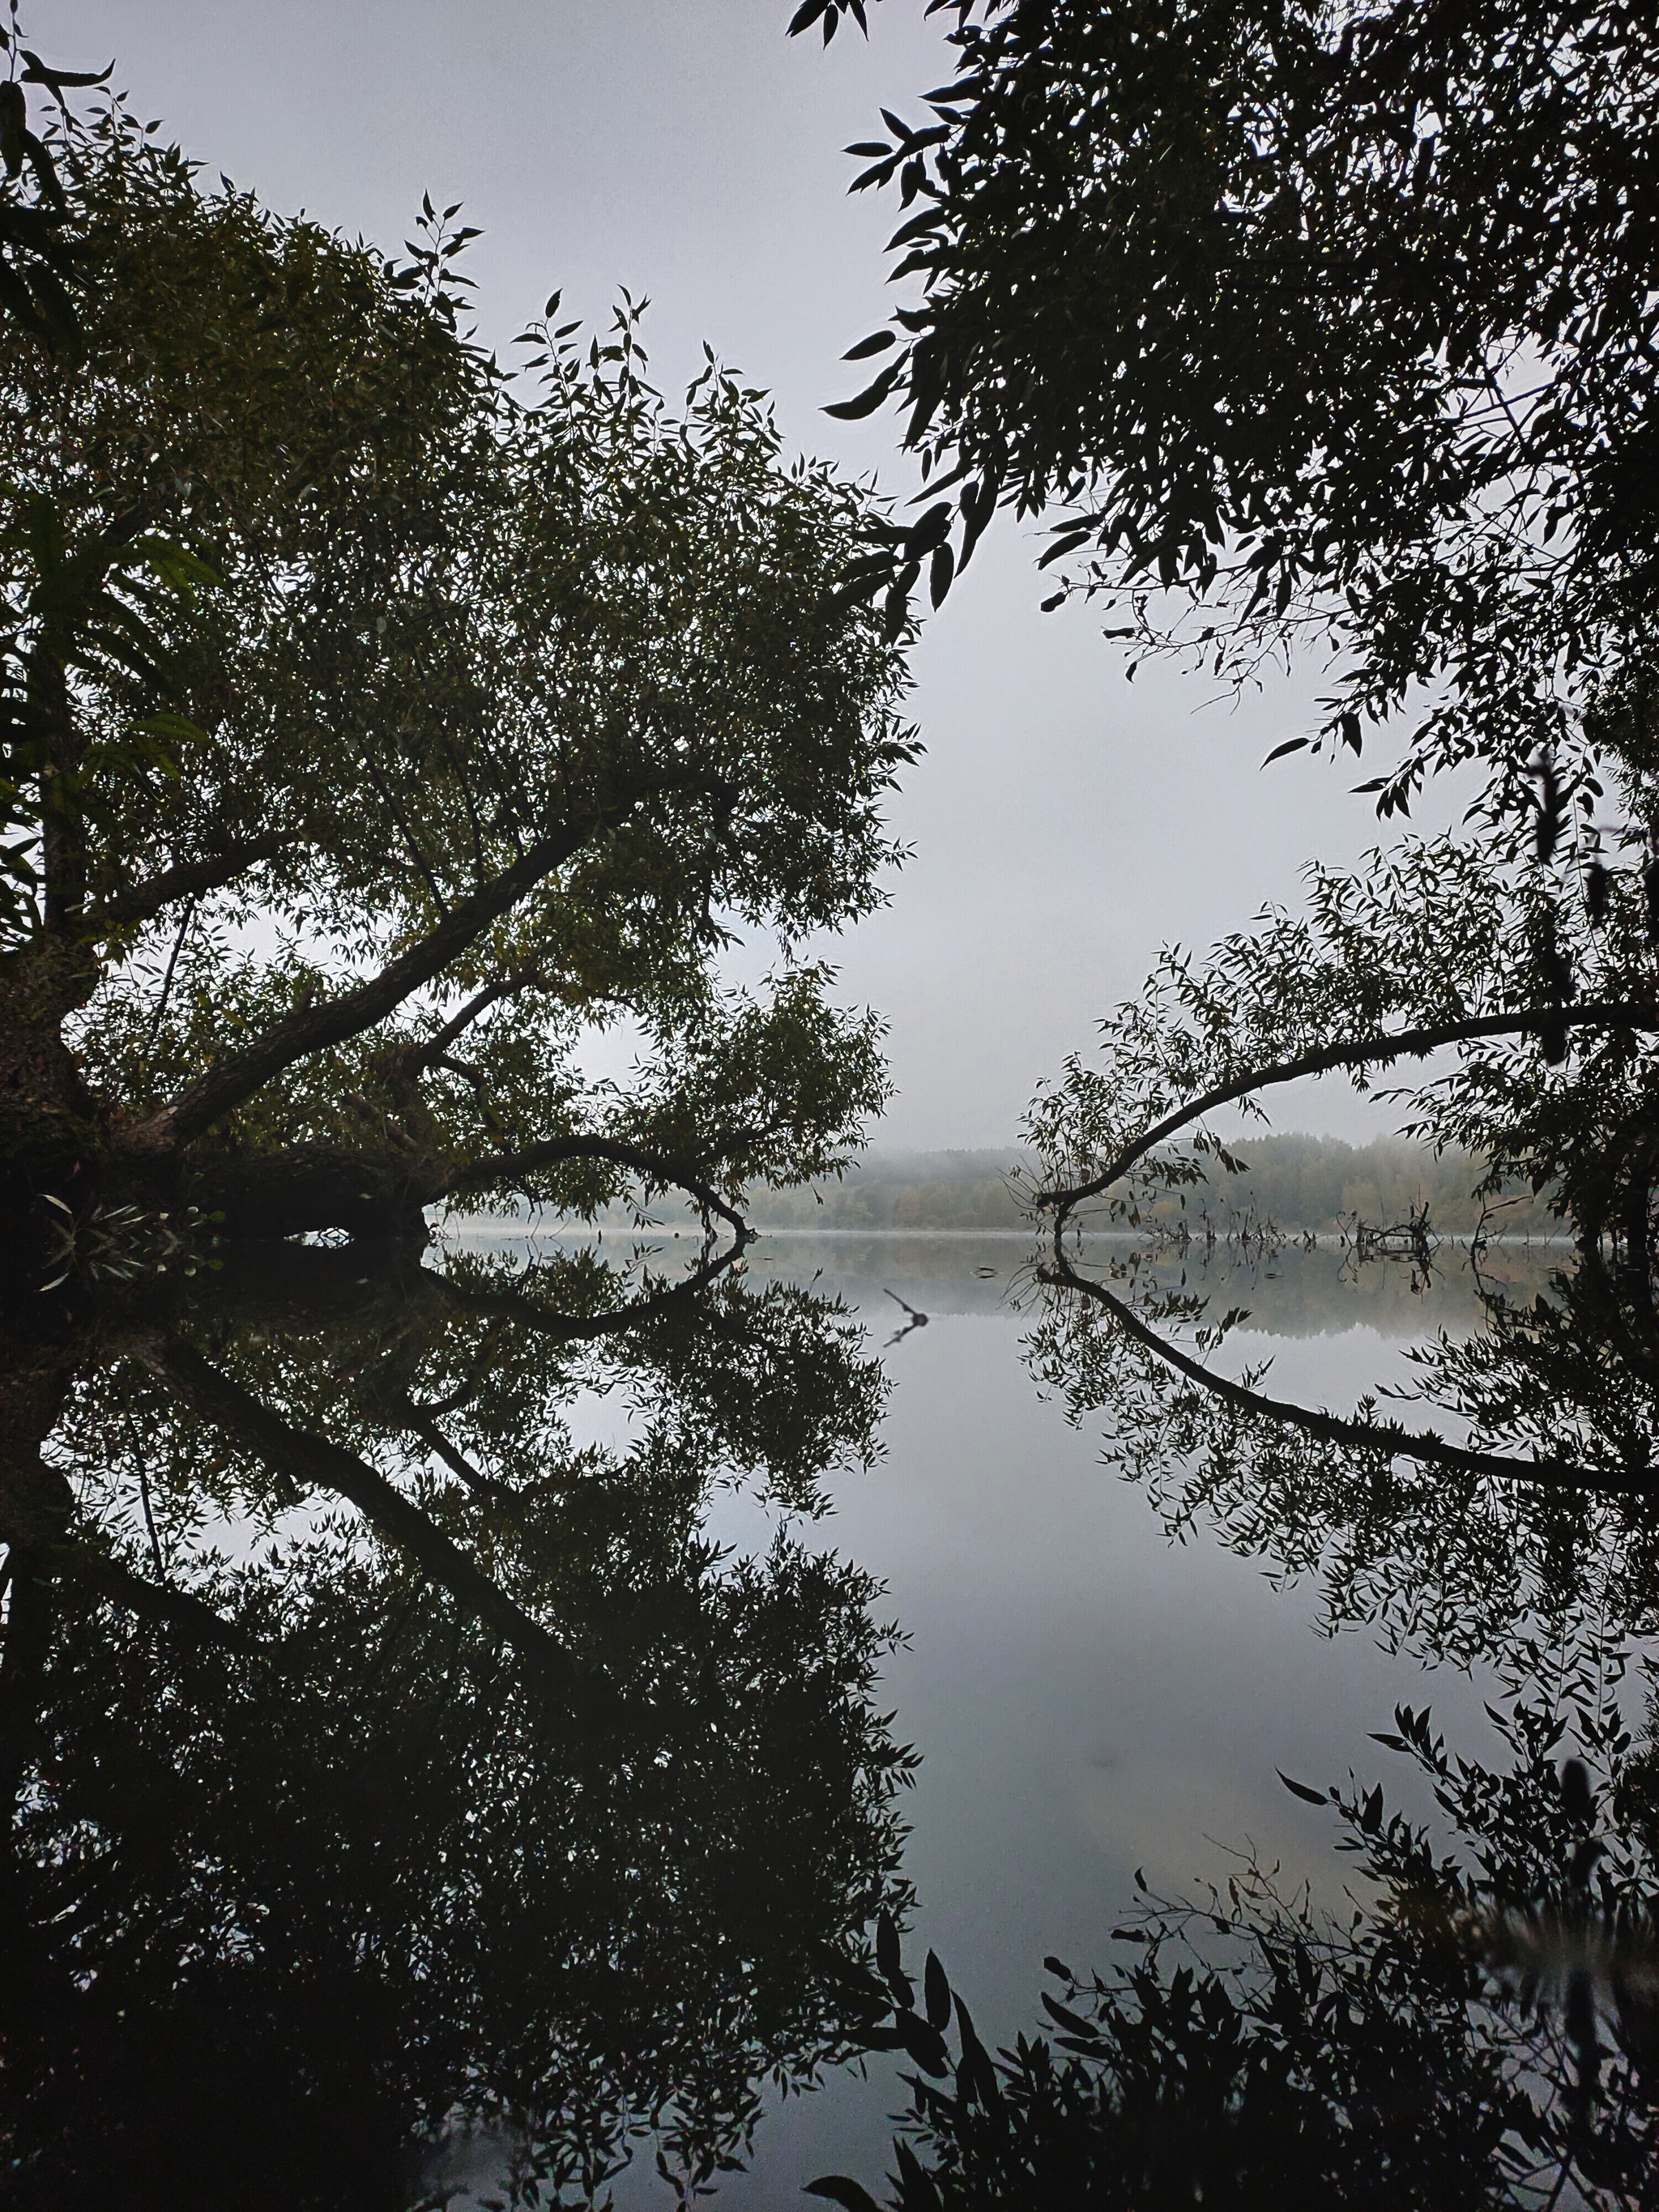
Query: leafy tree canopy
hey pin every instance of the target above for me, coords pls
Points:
(499, 701)
(1326, 326)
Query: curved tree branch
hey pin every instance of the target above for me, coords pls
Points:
(189, 880)
(512, 1307)
(313, 1462)
(314, 1029)
(373, 1194)
(1375, 1050)
(499, 1168)
(1389, 1439)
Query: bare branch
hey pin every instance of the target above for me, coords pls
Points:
(1377, 1050)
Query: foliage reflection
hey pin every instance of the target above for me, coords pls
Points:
(1480, 2024)
(387, 1763)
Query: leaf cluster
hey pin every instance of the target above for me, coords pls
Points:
(1322, 326)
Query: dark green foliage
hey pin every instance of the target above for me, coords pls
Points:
(1477, 2033)
(303, 1836)
(504, 700)
(1335, 324)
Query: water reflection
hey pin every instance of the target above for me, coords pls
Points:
(1496, 1482)
(1481, 2028)
(408, 1786)
(384, 1764)
(1478, 2023)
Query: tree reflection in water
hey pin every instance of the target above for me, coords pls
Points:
(1480, 2024)
(522, 1807)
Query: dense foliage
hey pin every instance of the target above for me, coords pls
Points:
(1326, 326)
(1480, 2031)
(515, 1804)
(376, 723)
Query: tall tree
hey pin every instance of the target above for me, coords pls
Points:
(376, 723)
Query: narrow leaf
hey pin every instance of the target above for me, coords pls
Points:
(841, 2191)
(1301, 1790)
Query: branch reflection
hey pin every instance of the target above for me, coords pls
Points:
(390, 1757)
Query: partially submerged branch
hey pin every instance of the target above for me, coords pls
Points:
(502, 1171)
(308, 1187)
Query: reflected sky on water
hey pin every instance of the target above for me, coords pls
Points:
(496, 1639)
(1089, 1697)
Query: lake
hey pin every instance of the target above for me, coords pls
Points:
(1089, 1693)
(501, 1712)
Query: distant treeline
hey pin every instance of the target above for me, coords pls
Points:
(1298, 1182)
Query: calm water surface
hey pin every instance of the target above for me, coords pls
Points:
(449, 1683)
(1090, 1694)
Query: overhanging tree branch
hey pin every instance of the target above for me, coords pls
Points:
(189, 880)
(506, 1169)
(315, 1028)
(1376, 1050)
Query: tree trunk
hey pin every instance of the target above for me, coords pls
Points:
(53, 1132)
(311, 1186)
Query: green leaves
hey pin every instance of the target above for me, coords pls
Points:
(867, 401)
(829, 13)
(1254, 337)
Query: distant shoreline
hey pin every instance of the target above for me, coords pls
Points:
(494, 1225)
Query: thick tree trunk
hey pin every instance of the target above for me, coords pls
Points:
(53, 1133)
(312, 1187)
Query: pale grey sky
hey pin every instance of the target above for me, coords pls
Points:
(1065, 823)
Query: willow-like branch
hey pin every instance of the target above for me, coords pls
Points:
(156, 1602)
(189, 879)
(315, 1028)
(1376, 1050)
(507, 1169)
(315, 1463)
(432, 1052)
(1387, 1438)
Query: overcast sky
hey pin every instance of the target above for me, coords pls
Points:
(1064, 822)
